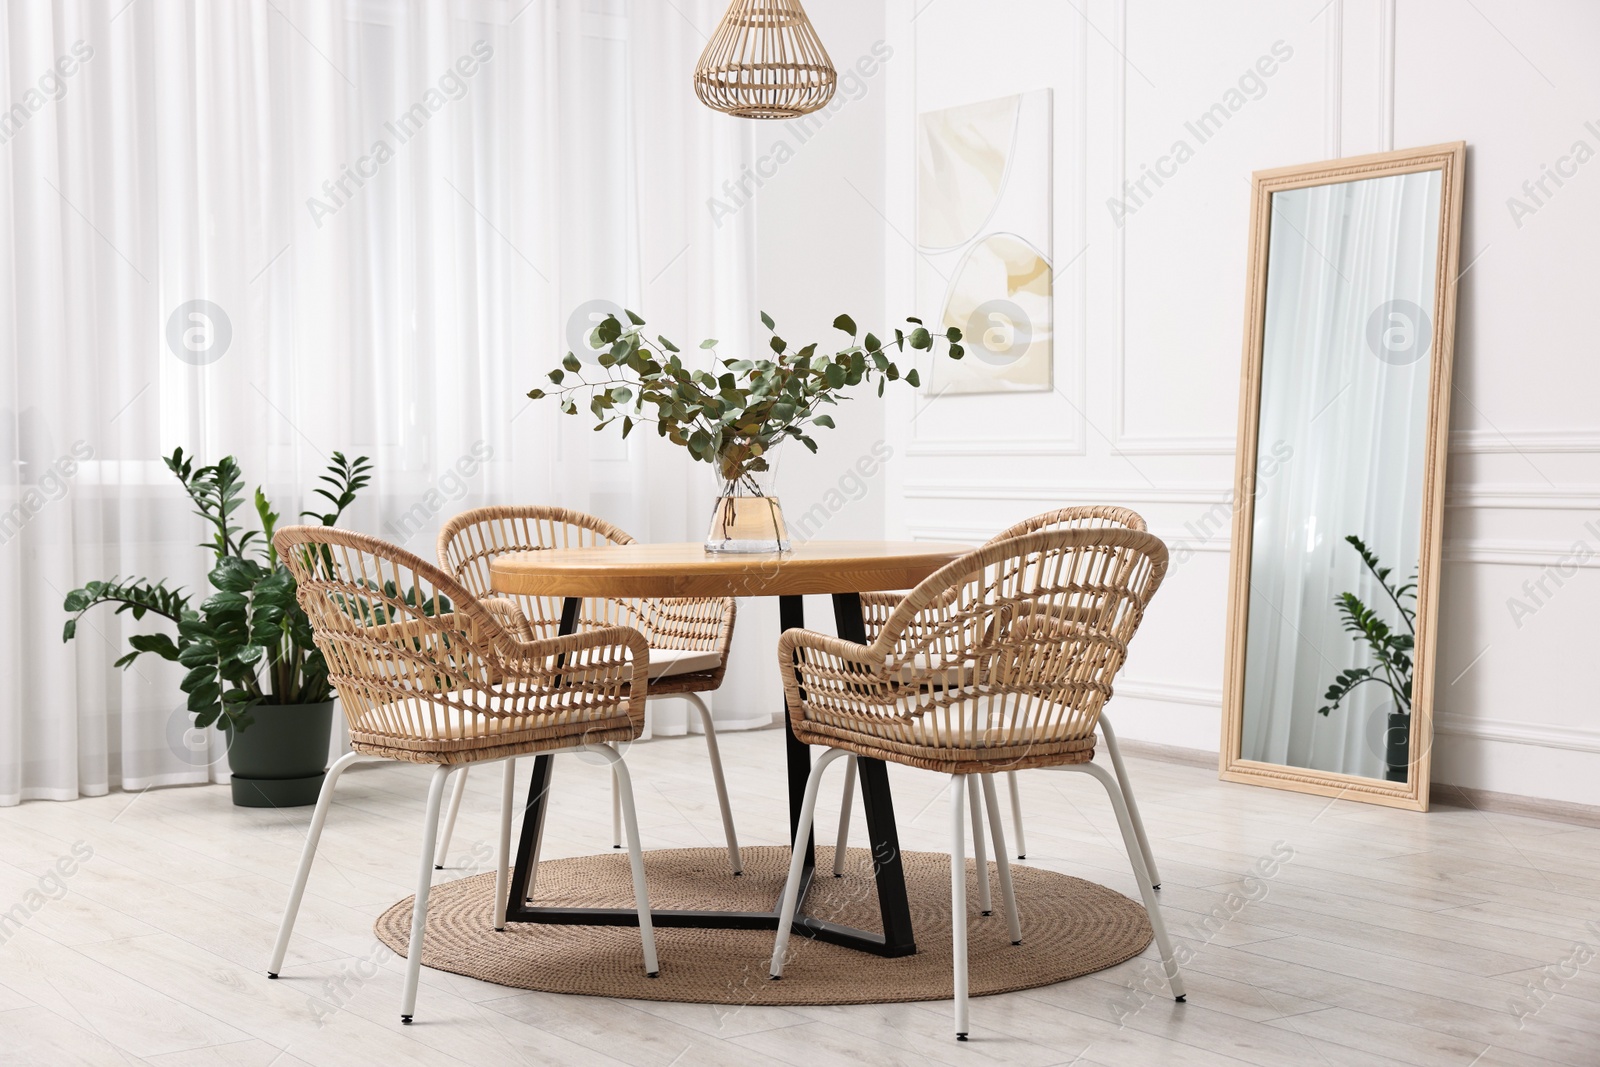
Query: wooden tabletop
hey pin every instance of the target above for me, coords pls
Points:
(641, 570)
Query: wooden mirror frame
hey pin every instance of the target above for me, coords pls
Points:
(1450, 161)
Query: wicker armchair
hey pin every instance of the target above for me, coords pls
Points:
(428, 673)
(688, 637)
(1011, 655)
(876, 608)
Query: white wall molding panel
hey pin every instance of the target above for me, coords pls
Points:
(1150, 244)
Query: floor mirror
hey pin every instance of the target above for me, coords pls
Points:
(1339, 490)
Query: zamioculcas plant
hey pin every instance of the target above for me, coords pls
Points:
(248, 643)
(1391, 648)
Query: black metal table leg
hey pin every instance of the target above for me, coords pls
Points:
(530, 839)
(896, 940)
(878, 806)
(534, 810)
(792, 616)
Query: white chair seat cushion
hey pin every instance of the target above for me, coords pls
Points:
(425, 725)
(984, 718)
(666, 662)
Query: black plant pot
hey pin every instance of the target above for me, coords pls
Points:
(1397, 748)
(280, 759)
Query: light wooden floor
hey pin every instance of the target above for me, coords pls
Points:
(1387, 938)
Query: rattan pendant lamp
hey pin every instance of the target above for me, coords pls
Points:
(765, 61)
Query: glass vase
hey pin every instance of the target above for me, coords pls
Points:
(747, 517)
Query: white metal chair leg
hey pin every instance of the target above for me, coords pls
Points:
(791, 888)
(979, 854)
(843, 841)
(419, 907)
(958, 901)
(502, 868)
(1008, 894)
(1127, 794)
(1141, 874)
(616, 813)
(443, 851)
(307, 855)
(630, 824)
(1016, 814)
(716, 777)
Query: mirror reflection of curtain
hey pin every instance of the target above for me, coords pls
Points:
(1354, 413)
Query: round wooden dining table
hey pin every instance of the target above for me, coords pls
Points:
(841, 569)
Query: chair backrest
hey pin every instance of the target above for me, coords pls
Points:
(414, 656)
(1080, 517)
(469, 543)
(1023, 635)
(876, 609)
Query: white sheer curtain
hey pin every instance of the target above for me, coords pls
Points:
(392, 209)
(1345, 431)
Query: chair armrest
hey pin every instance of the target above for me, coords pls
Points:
(591, 669)
(839, 678)
(508, 614)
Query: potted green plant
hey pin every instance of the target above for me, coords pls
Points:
(1392, 651)
(252, 666)
(732, 413)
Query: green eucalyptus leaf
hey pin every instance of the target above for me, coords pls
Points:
(846, 324)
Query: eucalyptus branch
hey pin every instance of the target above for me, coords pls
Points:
(736, 411)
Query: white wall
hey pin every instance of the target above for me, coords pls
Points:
(1148, 317)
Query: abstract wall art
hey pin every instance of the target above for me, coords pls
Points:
(984, 238)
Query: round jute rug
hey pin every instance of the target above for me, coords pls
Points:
(1070, 927)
